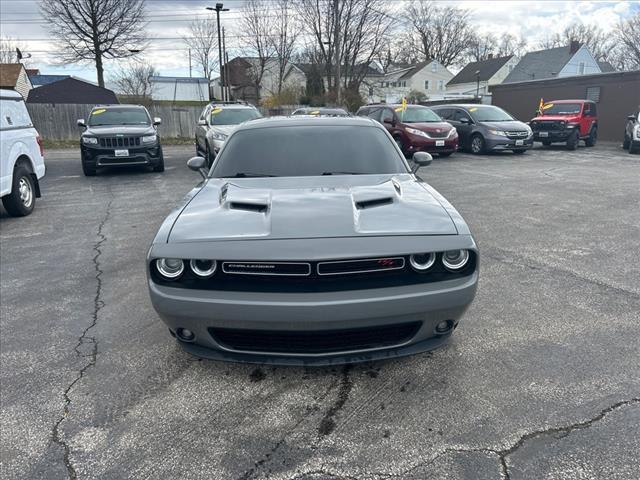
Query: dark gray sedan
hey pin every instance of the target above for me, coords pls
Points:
(486, 128)
(311, 241)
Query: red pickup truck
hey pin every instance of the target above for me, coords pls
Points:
(566, 121)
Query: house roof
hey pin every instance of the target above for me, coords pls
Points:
(33, 71)
(308, 68)
(413, 69)
(606, 67)
(71, 90)
(540, 64)
(9, 74)
(39, 80)
(487, 68)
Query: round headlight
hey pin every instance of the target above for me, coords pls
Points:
(170, 268)
(422, 261)
(203, 268)
(455, 259)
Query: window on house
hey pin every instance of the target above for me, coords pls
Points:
(581, 68)
(426, 84)
(434, 67)
(371, 91)
(404, 83)
(440, 84)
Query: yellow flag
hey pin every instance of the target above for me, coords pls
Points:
(541, 106)
(404, 104)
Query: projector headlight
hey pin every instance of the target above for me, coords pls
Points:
(149, 138)
(500, 133)
(203, 268)
(220, 136)
(417, 132)
(90, 140)
(170, 268)
(455, 259)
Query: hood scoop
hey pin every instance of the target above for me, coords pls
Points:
(374, 202)
(376, 196)
(244, 199)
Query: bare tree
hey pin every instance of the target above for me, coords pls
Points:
(348, 34)
(484, 46)
(95, 30)
(626, 55)
(597, 41)
(8, 50)
(285, 36)
(441, 33)
(257, 41)
(133, 80)
(203, 42)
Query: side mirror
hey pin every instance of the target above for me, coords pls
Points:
(202, 122)
(421, 159)
(465, 120)
(198, 164)
(81, 122)
(389, 120)
(631, 117)
(157, 120)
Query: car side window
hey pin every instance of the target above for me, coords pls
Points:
(386, 116)
(444, 113)
(374, 113)
(586, 111)
(15, 114)
(459, 115)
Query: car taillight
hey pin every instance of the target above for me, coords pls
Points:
(41, 145)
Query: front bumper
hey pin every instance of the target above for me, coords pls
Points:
(498, 143)
(106, 157)
(553, 135)
(437, 145)
(199, 310)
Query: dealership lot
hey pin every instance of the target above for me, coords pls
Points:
(540, 381)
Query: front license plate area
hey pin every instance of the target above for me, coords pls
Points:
(519, 142)
(439, 143)
(122, 153)
(544, 134)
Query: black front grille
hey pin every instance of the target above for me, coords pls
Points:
(310, 342)
(518, 134)
(547, 125)
(396, 273)
(443, 134)
(117, 142)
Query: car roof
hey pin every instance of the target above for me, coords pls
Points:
(244, 106)
(463, 105)
(302, 121)
(116, 106)
(571, 101)
(394, 105)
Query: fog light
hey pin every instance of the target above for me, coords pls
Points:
(170, 268)
(444, 326)
(455, 259)
(185, 335)
(203, 268)
(422, 261)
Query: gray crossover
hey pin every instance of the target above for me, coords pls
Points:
(311, 240)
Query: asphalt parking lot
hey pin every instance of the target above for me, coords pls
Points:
(541, 381)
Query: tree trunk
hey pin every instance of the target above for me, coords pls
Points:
(99, 68)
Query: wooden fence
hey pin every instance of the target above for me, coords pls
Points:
(59, 121)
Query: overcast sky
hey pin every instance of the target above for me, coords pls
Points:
(168, 20)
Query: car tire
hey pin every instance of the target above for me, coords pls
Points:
(159, 166)
(208, 157)
(89, 169)
(572, 141)
(634, 148)
(445, 154)
(22, 199)
(399, 142)
(518, 152)
(592, 139)
(626, 142)
(477, 144)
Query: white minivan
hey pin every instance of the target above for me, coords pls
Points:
(22, 160)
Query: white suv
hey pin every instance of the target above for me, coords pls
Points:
(22, 160)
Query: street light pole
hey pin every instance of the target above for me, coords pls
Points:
(477, 83)
(219, 8)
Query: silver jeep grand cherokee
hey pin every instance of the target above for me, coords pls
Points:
(312, 241)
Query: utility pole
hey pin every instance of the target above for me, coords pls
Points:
(225, 78)
(336, 21)
(219, 8)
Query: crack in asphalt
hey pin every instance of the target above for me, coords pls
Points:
(84, 339)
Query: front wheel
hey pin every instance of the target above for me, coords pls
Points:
(22, 199)
(399, 142)
(209, 157)
(634, 147)
(159, 167)
(626, 142)
(477, 144)
(572, 141)
(592, 139)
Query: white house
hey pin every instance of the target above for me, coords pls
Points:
(429, 77)
(179, 89)
(571, 60)
(13, 76)
(476, 77)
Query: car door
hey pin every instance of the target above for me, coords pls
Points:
(201, 130)
(587, 119)
(464, 128)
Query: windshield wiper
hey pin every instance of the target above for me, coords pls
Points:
(342, 173)
(251, 175)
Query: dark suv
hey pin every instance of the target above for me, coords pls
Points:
(566, 121)
(415, 129)
(486, 128)
(120, 135)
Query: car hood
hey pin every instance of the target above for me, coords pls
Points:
(556, 118)
(224, 129)
(311, 207)
(431, 127)
(514, 125)
(112, 130)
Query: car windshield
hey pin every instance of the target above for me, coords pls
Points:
(119, 116)
(418, 115)
(232, 116)
(302, 151)
(489, 114)
(561, 108)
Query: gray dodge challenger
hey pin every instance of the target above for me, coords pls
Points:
(311, 241)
